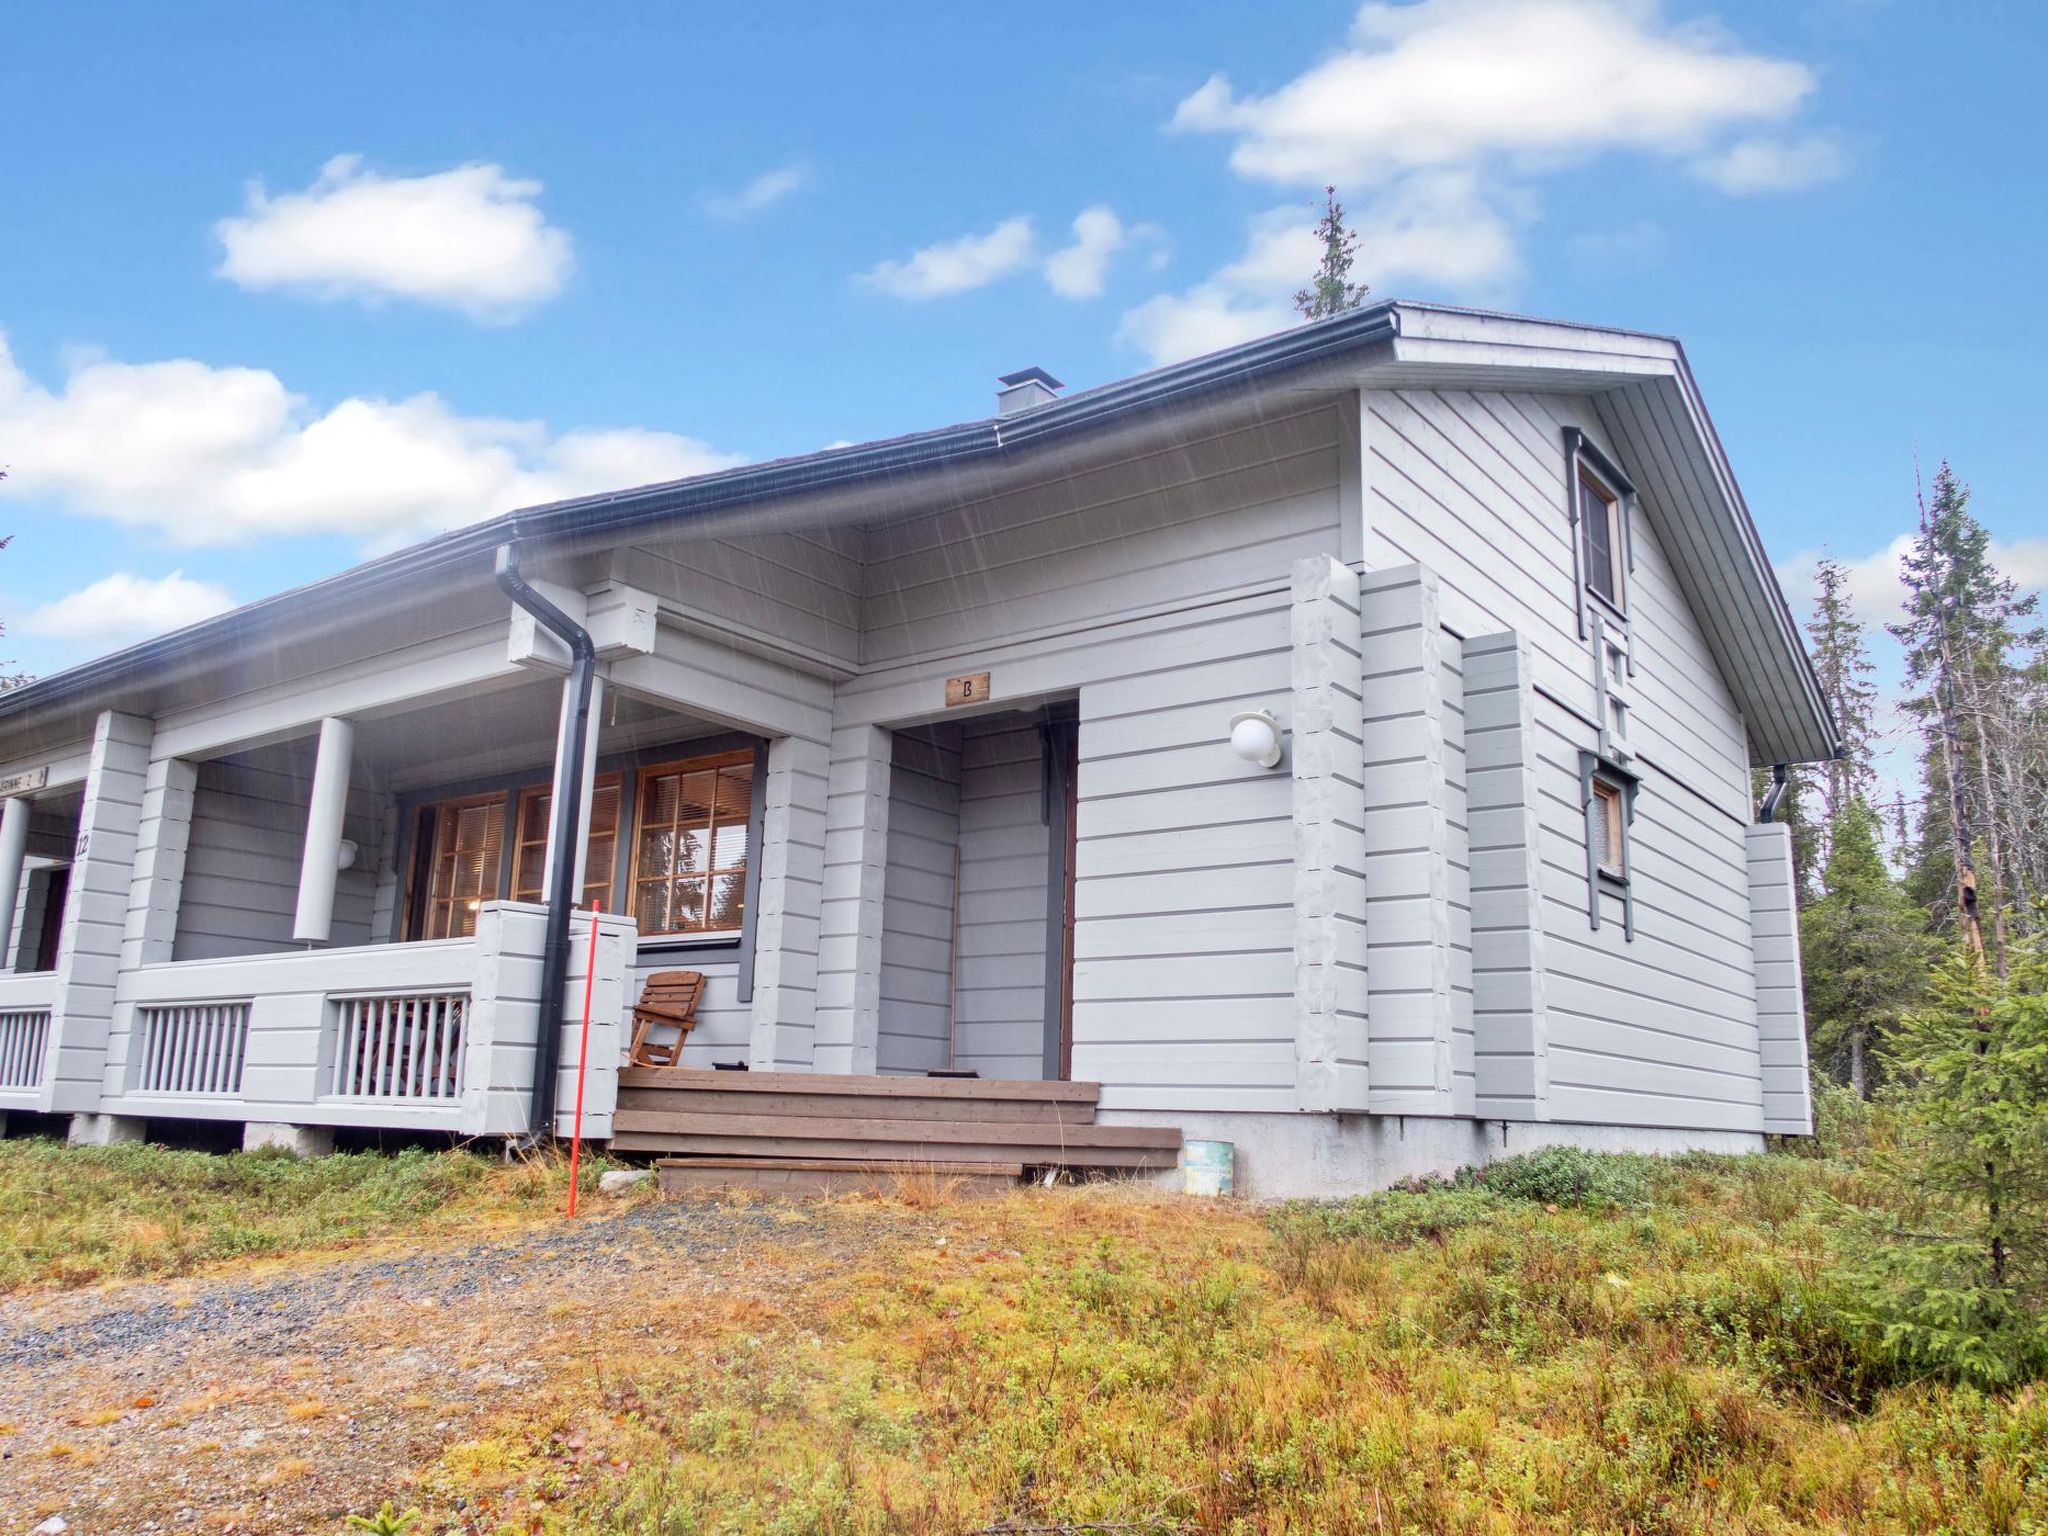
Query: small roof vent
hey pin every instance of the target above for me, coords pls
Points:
(1026, 390)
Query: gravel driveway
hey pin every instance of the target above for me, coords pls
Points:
(282, 1398)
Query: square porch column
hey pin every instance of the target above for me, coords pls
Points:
(96, 911)
(792, 859)
(856, 869)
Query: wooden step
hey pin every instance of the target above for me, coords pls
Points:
(713, 1099)
(845, 1085)
(896, 1141)
(830, 1176)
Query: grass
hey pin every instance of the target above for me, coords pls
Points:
(73, 1215)
(1615, 1345)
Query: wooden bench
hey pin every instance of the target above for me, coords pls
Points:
(669, 998)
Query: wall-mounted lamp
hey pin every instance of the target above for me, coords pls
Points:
(345, 855)
(1255, 737)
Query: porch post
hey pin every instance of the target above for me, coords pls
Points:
(786, 926)
(580, 854)
(14, 814)
(160, 848)
(850, 927)
(95, 913)
(320, 865)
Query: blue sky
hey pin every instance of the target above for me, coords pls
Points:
(285, 285)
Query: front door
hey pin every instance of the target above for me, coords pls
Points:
(1062, 738)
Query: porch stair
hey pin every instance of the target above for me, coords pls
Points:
(805, 1130)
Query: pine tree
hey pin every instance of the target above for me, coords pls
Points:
(1863, 949)
(1982, 846)
(1332, 291)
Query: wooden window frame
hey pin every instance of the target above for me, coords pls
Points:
(603, 889)
(1586, 466)
(1608, 791)
(707, 762)
(420, 899)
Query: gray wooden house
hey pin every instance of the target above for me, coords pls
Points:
(1340, 746)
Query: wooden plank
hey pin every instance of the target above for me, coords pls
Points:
(896, 1151)
(825, 1106)
(799, 1128)
(823, 1163)
(850, 1084)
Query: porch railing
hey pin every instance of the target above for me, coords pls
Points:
(24, 1040)
(193, 1048)
(408, 1047)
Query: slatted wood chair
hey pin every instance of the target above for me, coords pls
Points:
(669, 998)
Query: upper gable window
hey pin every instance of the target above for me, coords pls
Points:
(1601, 532)
(1601, 507)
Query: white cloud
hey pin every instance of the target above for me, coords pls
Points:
(124, 605)
(1454, 82)
(956, 266)
(1772, 165)
(763, 192)
(471, 239)
(211, 455)
(1081, 270)
(1435, 227)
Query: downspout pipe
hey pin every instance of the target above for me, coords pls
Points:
(1780, 781)
(568, 793)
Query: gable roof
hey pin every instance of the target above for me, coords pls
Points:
(1642, 386)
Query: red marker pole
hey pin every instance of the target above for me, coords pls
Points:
(583, 1056)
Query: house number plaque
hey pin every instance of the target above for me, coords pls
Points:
(971, 689)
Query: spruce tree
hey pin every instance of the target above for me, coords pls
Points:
(1331, 292)
(1863, 949)
(1966, 626)
(1842, 662)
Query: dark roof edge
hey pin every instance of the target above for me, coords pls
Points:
(827, 470)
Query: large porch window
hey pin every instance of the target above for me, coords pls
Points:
(467, 840)
(684, 823)
(690, 845)
(601, 849)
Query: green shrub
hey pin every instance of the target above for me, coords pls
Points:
(1568, 1176)
(1399, 1216)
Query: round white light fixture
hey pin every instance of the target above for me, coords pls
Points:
(345, 856)
(1255, 737)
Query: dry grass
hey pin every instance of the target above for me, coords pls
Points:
(73, 1215)
(1485, 1365)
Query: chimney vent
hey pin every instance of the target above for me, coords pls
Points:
(1026, 390)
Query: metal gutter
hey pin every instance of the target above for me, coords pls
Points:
(570, 749)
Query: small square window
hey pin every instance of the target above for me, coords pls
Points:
(1606, 826)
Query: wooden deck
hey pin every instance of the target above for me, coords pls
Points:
(796, 1130)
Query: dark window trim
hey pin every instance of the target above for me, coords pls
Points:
(1581, 452)
(626, 764)
(1593, 768)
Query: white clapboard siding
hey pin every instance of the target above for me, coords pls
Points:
(914, 1027)
(999, 990)
(1780, 990)
(1184, 975)
(798, 589)
(1189, 521)
(241, 883)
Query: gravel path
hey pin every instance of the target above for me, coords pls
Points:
(283, 1398)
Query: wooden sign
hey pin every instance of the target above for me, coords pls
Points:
(35, 778)
(971, 689)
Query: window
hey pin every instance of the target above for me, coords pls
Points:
(1600, 531)
(690, 845)
(1605, 825)
(465, 841)
(601, 848)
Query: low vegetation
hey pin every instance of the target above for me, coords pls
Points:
(72, 1215)
(1565, 1342)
